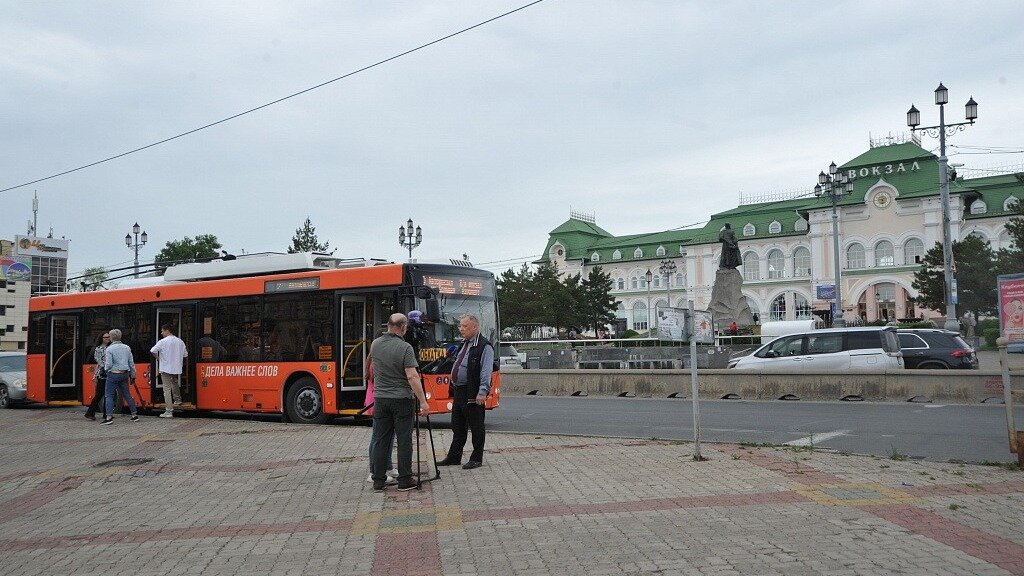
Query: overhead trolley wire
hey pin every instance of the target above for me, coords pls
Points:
(271, 103)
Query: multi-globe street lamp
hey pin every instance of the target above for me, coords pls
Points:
(136, 244)
(409, 237)
(835, 185)
(668, 268)
(941, 130)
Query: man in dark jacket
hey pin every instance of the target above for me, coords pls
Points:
(471, 374)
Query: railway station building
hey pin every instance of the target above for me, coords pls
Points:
(892, 217)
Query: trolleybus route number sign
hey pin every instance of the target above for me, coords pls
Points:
(455, 285)
(296, 285)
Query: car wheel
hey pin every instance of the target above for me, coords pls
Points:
(5, 398)
(305, 402)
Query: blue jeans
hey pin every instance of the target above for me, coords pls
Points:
(118, 383)
(373, 440)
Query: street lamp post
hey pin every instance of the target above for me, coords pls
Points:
(136, 244)
(941, 130)
(835, 185)
(668, 268)
(409, 237)
(650, 324)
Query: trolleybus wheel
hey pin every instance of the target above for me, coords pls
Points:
(305, 403)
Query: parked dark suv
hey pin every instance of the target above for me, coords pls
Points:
(935, 348)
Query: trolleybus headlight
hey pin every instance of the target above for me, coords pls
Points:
(449, 406)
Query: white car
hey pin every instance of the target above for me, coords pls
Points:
(12, 378)
(508, 358)
(867, 349)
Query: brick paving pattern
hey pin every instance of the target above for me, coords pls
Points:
(221, 496)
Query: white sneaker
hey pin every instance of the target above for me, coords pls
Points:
(393, 473)
(369, 478)
(167, 415)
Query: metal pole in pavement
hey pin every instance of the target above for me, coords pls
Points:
(693, 385)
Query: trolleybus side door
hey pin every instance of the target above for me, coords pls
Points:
(180, 318)
(63, 382)
(355, 347)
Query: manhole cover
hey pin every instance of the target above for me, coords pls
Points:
(123, 462)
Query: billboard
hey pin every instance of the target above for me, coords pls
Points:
(15, 268)
(47, 247)
(1011, 306)
(672, 324)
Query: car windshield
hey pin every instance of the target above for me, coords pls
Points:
(12, 363)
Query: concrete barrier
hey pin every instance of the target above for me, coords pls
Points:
(945, 386)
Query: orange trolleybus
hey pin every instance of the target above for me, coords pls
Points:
(275, 333)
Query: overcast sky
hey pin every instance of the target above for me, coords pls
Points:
(650, 114)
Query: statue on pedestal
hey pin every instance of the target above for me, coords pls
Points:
(728, 304)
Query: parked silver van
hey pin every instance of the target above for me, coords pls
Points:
(867, 349)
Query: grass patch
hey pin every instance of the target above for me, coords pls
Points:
(955, 506)
(895, 455)
(1004, 465)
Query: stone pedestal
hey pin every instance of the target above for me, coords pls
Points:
(728, 304)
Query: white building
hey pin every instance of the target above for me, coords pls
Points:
(886, 225)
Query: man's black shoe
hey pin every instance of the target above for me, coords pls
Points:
(448, 462)
(90, 416)
(378, 485)
(406, 484)
(471, 464)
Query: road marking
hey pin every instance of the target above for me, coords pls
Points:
(816, 438)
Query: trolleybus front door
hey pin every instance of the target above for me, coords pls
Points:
(354, 349)
(181, 320)
(65, 360)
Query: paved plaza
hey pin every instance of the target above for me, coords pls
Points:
(231, 496)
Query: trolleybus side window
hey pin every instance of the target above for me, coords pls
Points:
(298, 327)
(235, 324)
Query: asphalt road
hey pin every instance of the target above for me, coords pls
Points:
(934, 432)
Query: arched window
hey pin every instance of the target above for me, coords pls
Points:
(855, 256)
(634, 282)
(657, 280)
(776, 264)
(777, 311)
(755, 309)
(1009, 205)
(620, 283)
(979, 235)
(751, 266)
(913, 252)
(979, 207)
(617, 255)
(638, 253)
(749, 230)
(595, 257)
(660, 304)
(802, 307)
(884, 255)
(640, 315)
(800, 225)
(679, 279)
(775, 227)
(660, 251)
(801, 262)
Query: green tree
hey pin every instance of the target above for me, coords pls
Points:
(516, 302)
(306, 240)
(1011, 260)
(975, 265)
(598, 304)
(92, 278)
(204, 247)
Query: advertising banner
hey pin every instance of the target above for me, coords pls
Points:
(703, 328)
(15, 268)
(672, 324)
(1011, 306)
(33, 246)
